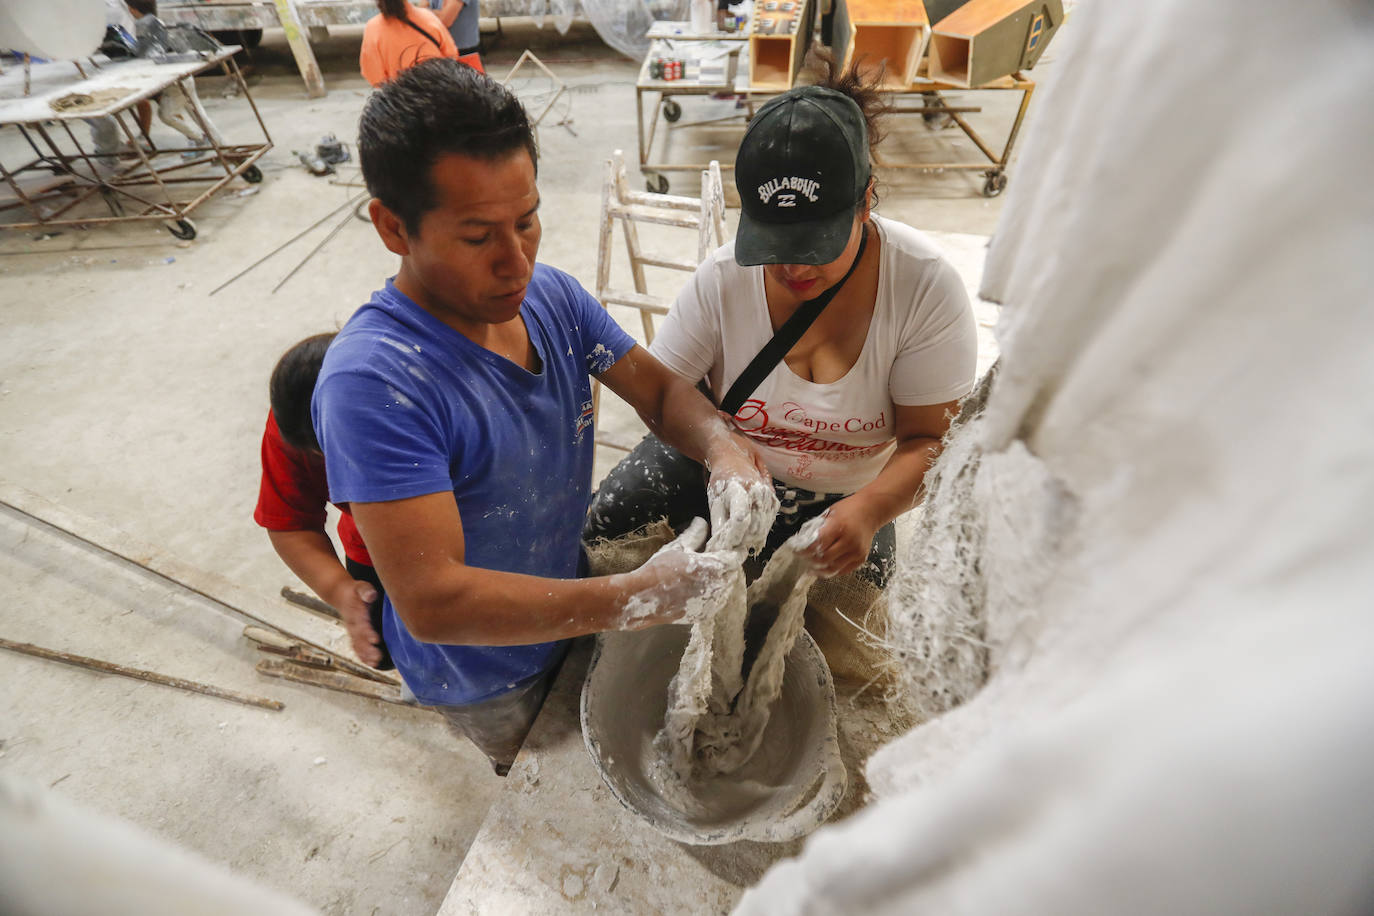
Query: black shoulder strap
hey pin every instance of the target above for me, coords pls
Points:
(432, 39)
(785, 339)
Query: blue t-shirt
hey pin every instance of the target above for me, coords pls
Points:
(407, 406)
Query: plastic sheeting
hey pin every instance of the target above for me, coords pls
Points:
(1172, 484)
(622, 24)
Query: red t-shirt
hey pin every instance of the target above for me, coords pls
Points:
(294, 493)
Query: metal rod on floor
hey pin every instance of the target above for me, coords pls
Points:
(329, 681)
(95, 664)
(314, 251)
(350, 202)
(346, 663)
(309, 602)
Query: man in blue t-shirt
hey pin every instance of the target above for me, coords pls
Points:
(455, 414)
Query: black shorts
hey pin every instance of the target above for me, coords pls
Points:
(365, 573)
(656, 481)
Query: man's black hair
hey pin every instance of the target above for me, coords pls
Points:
(434, 108)
(146, 7)
(292, 385)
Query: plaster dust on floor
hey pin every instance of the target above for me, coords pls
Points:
(132, 398)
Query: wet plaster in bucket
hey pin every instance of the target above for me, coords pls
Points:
(715, 753)
(716, 720)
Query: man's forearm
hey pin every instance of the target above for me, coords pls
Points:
(689, 422)
(466, 605)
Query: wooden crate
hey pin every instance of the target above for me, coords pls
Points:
(778, 39)
(984, 40)
(939, 9)
(887, 33)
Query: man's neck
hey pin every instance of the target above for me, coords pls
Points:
(409, 286)
(509, 339)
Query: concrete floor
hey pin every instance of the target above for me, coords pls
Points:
(132, 398)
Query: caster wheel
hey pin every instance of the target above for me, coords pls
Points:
(656, 184)
(252, 174)
(182, 229)
(996, 183)
(671, 111)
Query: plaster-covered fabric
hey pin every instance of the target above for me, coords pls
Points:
(1169, 490)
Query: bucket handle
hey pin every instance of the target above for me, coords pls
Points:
(804, 819)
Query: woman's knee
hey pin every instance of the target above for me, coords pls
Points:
(882, 557)
(654, 481)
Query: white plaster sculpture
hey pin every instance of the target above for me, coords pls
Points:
(57, 859)
(1170, 494)
(53, 29)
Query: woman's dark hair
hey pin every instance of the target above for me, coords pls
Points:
(291, 387)
(860, 83)
(393, 9)
(434, 108)
(143, 7)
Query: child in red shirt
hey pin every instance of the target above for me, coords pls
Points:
(292, 500)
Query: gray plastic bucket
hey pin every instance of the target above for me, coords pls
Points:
(790, 786)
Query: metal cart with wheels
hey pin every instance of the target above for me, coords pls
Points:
(61, 174)
(672, 39)
(923, 97)
(933, 102)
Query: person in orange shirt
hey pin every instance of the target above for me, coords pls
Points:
(401, 37)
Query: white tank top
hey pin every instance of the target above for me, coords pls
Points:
(921, 349)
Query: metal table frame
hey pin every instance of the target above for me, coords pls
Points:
(79, 176)
(929, 94)
(670, 111)
(995, 169)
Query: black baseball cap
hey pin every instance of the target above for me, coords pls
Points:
(801, 171)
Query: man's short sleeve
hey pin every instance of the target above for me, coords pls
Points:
(603, 341)
(379, 443)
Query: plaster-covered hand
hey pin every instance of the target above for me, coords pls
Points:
(740, 495)
(353, 600)
(679, 582)
(845, 538)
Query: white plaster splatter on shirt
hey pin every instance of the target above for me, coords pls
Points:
(600, 359)
(397, 345)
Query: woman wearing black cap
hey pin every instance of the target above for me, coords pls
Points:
(849, 410)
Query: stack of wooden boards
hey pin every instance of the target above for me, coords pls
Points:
(309, 664)
(972, 42)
